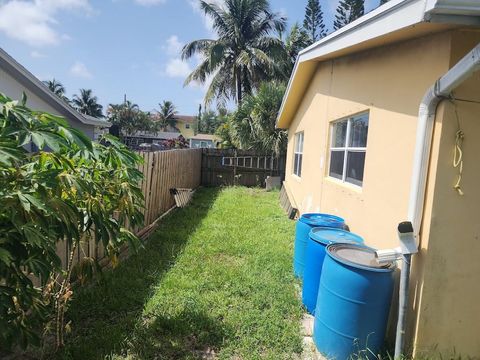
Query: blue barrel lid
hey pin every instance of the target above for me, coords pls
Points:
(327, 220)
(358, 256)
(327, 236)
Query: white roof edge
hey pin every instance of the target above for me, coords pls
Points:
(44, 90)
(392, 16)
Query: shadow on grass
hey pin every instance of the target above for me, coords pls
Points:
(107, 318)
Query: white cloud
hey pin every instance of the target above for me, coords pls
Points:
(80, 70)
(33, 21)
(177, 68)
(150, 2)
(174, 46)
(37, 55)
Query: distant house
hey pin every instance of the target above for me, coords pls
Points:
(204, 141)
(372, 134)
(15, 79)
(186, 125)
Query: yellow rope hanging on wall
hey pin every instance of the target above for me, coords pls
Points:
(458, 154)
(458, 160)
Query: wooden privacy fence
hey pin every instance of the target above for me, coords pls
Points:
(225, 167)
(162, 170)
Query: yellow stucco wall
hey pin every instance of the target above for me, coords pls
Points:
(448, 310)
(389, 82)
(379, 81)
(186, 133)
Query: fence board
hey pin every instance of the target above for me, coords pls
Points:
(245, 172)
(162, 171)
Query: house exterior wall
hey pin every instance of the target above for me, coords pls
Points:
(380, 82)
(187, 133)
(389, 82)
(446, 288)
(14, 89)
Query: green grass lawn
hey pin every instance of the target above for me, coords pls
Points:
(216, 276)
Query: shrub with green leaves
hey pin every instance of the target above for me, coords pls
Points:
(55, 185)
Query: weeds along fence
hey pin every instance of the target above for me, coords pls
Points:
(162, 170)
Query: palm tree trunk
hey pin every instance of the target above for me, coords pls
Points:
(238, 80)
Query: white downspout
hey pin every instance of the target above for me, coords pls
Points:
(442, 89)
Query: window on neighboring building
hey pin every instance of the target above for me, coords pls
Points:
(187, 126)
(298, 154)
(348, 148)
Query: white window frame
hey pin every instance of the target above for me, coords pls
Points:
(299, 139)
(346, 149)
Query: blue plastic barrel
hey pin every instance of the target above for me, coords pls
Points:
(304, 225)
(318, 240)
(353, 302)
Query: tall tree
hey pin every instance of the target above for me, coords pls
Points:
(245, 52)
(57, 88)
(296, 40)
(252, 126)
(129, 118)
(167, 115)
(348, 11)
(313, 21)
(210, 120)
(87, 104)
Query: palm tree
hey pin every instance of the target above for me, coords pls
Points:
(296, 40)
(57, 88)
(87, 104)
(167, 115)
(245, 53)
(252, 125)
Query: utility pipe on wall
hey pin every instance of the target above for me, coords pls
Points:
(442, 89)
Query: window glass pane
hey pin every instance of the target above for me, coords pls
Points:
(336, 164)
(300, 158)
(299, 142)
(359, 131)
(355, 166)
(339, 133)
(295, 164)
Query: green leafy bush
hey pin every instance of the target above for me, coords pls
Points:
(55, 185)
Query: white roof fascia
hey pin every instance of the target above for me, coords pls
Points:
(390, 17)
(287, 91)
(393, 16)
(40, 87)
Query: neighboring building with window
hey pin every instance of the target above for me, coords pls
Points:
(355, 97)
(186, 125)
(204, 141)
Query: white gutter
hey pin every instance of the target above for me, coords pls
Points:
(442, 89)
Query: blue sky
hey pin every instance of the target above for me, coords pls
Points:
(118, 47)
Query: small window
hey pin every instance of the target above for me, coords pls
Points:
(348, 148)
(187, 126)
(298, 154)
